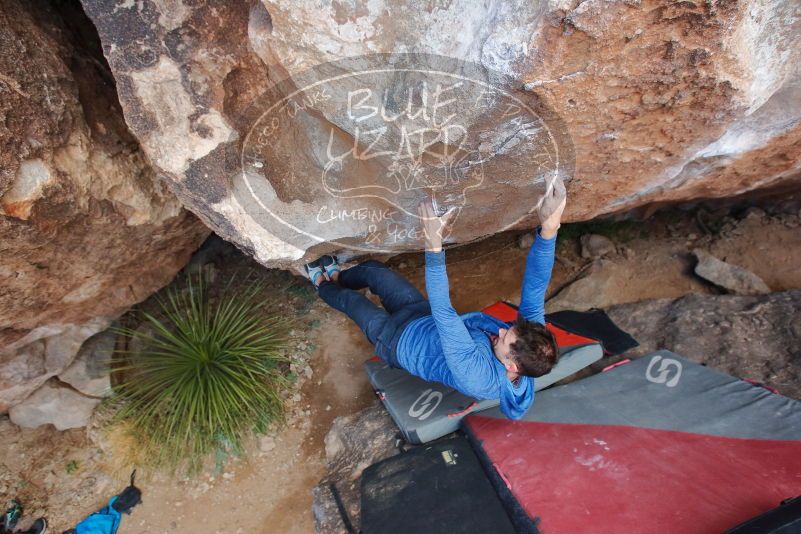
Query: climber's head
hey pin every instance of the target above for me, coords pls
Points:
(527, 348)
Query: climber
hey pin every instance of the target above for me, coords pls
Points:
(477, 354)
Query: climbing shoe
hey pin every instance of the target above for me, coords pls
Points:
(315, 272)
(330, 265)
(11, 517)
(39, 527)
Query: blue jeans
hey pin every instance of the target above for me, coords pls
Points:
(402, 304)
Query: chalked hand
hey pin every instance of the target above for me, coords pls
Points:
(434, 226)
(551, 208)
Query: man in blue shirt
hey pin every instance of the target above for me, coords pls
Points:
(475, 353)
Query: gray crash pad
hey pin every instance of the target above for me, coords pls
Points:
(425, 411)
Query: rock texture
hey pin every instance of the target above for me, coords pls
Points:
(54, 404)
(86, 229)
(594, 246)
(594, 287)
(663, 101)
(90, 373)
(353, 443)
(732, 278)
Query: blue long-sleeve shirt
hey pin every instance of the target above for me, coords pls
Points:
(456, 350)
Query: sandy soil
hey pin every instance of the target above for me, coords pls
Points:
(66, 475)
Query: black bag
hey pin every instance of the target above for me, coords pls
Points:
(128, 498)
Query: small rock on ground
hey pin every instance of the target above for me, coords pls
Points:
(266, 443)
(525, 240)
(732, 278)
(595, 246)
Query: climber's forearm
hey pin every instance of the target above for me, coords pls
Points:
(549, 231)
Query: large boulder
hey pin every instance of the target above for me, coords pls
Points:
(354, 443)
(658, 101)
(86, 228)
(54, 404)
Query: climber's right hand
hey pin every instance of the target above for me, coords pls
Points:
(551, 209)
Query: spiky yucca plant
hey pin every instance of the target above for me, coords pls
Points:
(206, 376)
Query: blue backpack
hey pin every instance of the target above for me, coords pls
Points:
(104, 521)
(107, 519)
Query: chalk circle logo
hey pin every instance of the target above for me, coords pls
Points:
(344, 152)
(667, 367)
(426, 403)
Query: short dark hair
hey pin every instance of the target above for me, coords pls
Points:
(535, 350)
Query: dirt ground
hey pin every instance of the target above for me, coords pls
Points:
(66, 475)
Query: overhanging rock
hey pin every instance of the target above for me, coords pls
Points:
(265, 131)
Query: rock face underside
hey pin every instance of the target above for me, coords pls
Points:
(657, 101)
(85, 229)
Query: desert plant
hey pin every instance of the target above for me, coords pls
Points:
(72, 466)
(622, 231)
(205, 374)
